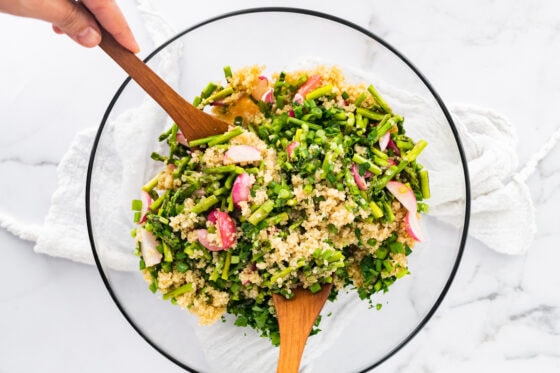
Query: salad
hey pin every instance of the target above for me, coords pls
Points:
(315, 182)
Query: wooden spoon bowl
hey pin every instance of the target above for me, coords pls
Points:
(296, 317)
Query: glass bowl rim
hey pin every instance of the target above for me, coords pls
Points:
(335, 19)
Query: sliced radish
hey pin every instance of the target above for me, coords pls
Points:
(213, 216)
(148, 244)
(298, 98)
(226, 230)
(384, 141)
(404, 195)
(241, 154)
(203, 239)
(268, 96)
(260, 88)
(226, 226)
(241, 188)
(146, 202)
(291, 113)
(393, 146)
(290, 148)
(413, 226)
(314, 81)
(181, 139)
(359, 179)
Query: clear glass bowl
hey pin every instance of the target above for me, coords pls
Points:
(357, 338)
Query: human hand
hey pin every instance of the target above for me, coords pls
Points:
(68, 17)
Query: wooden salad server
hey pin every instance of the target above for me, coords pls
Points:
(296, 317)
(193, 123)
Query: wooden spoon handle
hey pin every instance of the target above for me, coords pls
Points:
(192, 122)
(296, 318)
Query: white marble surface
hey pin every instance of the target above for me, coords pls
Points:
(502, 312)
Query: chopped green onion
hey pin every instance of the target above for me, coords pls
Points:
(178, 291)
(225, 270)
(424, 183)
(198, 142)
(151, 184)
(370, 114)
(205, 204)
(227, 72)
(378, 99)
(315, 288)
(210, 88)
(261, 213)
(226, 136)
(412, 154)
(319, 92)
(136, 205)
(167, 254)
(360, 99)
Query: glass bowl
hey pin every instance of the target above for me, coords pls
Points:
(358, 338)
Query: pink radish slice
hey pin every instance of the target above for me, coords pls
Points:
(314, 81)
(290, 148)
(413, 226)
(360, 182)
(181, 139)
(384, 141)
(148, 245)
(241, 188)
(226, 226)
(268, 96)
(298, 98)
(291, 113)
(393, 146)
(260, 88)
(213, 216)
(203, 239)
(146, 202)
(226, 230)
(242, 153)
(404, 195)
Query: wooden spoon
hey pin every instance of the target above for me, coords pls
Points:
(296, 317)
(193, 123)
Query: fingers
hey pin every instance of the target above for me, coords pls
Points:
(109, 15)
(69, 17)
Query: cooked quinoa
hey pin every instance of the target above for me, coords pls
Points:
(315, 182)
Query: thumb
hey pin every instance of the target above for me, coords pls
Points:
(71, 19)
